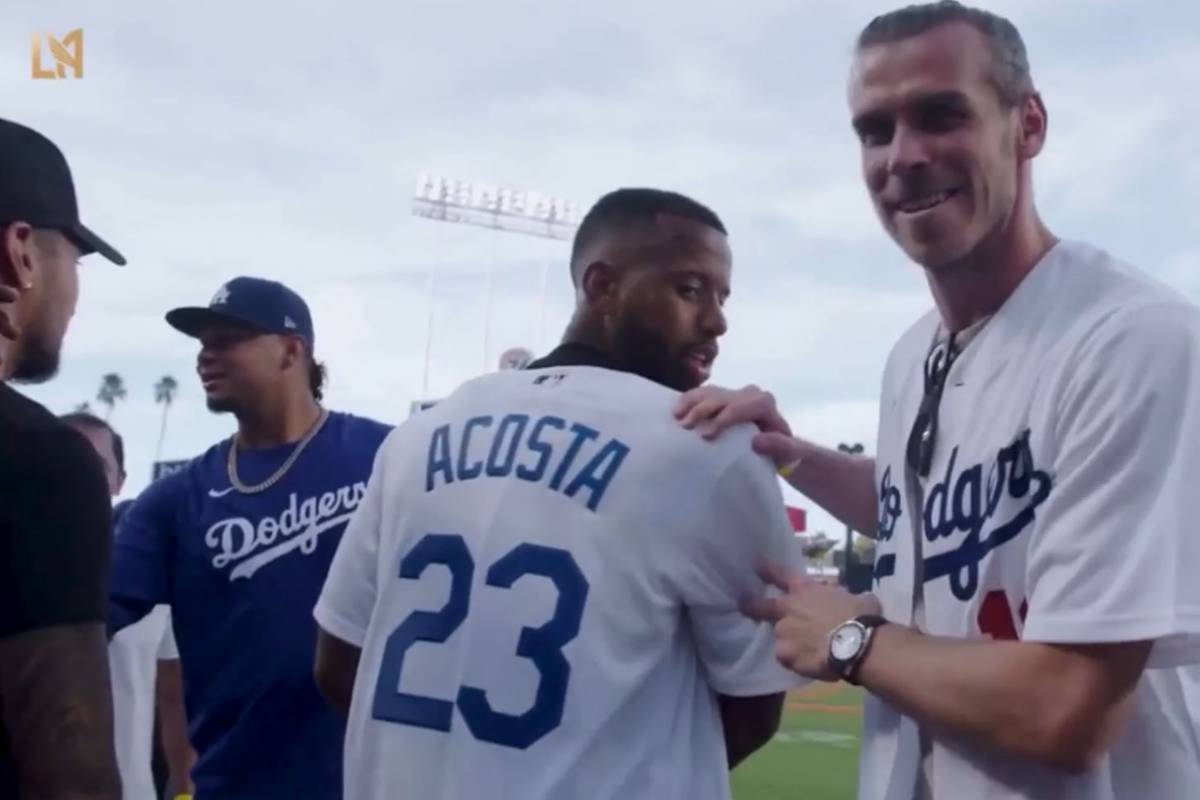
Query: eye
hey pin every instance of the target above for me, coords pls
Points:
(874, 133)
(941, 118)
(690, 290)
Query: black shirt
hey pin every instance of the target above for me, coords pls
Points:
(55, 531)
(573, 354)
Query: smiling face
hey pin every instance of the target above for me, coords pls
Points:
(939, 147)
(238, 365)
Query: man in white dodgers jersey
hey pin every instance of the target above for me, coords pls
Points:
(538, 597)
(1037, 464)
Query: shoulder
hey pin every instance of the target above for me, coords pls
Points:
(44, 451)
(1112, 308)
(1087, 288)
(174, 488)
(618, 405)
(359, 430)
(18, 413)
(54, 503)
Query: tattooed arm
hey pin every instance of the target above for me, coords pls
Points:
(58, 712)
(55, 541)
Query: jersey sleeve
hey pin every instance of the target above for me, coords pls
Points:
(348, 598)
(141, 576)
(167, 649)
(55, 535)
(1117, 555)
(746, 526)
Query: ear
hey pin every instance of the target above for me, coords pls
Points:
(293, 351)
(1033, 121)
(599, 285)
(16, 264)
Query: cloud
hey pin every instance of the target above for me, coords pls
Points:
(228, 138)
(840, 213)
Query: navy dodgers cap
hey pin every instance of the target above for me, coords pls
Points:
(36, 187)
(266, 305)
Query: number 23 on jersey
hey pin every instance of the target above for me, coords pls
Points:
(542, 645)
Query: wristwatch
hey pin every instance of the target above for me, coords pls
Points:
(849, 642)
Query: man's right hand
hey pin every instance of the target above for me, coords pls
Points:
(710, 409)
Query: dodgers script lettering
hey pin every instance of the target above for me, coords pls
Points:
(964, 503)
(253, 546)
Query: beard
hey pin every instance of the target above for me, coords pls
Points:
(645, 352)
(222, 405)
(38, 360)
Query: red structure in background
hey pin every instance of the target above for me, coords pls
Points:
(798, 518)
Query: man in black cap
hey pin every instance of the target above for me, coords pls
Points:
(56, 734)
(238, 543)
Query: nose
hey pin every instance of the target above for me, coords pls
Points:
(909, 151)
(712, 321)
(204, 359)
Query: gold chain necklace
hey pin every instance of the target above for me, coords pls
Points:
(231, 462)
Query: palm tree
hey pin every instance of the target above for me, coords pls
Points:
(164, 392)
(112, 389)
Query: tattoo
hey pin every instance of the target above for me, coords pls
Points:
(57, 705)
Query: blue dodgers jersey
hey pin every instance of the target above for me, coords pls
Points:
(242, 573)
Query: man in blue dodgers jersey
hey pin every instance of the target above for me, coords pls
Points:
(538, 597)
(239, 542)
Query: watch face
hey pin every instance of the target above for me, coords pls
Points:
(846, 642)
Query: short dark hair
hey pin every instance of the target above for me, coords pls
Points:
(85, 420)
(317, 376)
(1010, 62)
(636, 207)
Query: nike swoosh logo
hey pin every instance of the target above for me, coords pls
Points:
(222, 493)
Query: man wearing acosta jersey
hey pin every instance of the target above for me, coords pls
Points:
(538, 597)
(238, 544)
(1036, 471)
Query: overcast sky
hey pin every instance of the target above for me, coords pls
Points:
(216, 139)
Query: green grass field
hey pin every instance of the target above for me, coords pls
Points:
(815, 754)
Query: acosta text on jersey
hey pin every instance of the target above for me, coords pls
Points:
(582, 459)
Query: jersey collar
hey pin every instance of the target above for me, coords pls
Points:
(574, 354)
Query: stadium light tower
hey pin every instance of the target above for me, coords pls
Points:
(498, 208)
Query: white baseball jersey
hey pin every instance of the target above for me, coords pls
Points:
(133, 656)
(1059, 508)
(544, 579)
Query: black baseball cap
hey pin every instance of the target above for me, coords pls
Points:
(265, 305)
(36, 187)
